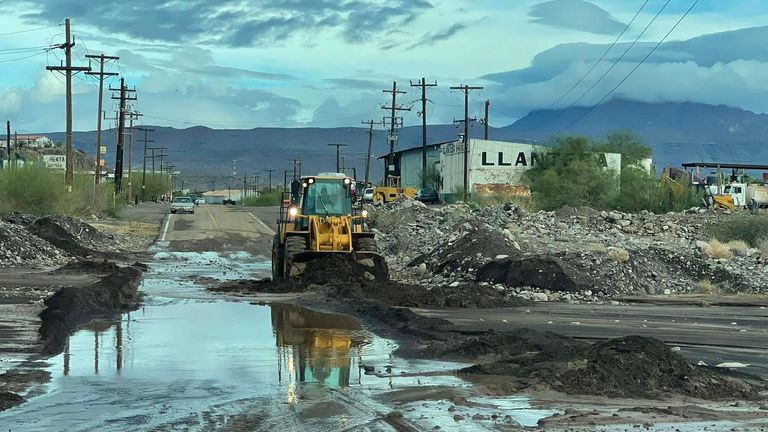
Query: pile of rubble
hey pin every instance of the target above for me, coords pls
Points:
(19, 247)
(570, 254)
(26, 241)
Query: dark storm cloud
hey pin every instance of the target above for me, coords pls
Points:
(575, 14)
(231, 22)
(430, 38)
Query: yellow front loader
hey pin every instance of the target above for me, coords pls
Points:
(317, 220)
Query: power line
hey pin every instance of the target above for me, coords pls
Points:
(602, 77)
(30, 30)
(597, 62)
(635, 68)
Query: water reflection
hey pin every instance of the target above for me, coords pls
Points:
(315, 346)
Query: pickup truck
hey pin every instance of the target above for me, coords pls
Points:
(183, 204)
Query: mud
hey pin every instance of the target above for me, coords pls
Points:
(627, 367)
(9, 400)
(89, 267)
(70, 307)
(73, 236)
(544, 273)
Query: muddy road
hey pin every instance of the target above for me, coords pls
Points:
(191, 360)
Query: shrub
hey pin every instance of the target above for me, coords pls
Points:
(762, 245)
(618, 255)
(737, 245)
(748, 228)
(596, 247)
(716, 249)
(705, 286)
(265, 199)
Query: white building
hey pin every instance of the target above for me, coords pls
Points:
(30, 141)
(496, 167)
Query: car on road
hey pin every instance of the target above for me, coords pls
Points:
(183, 204)
(427, 195)
(229, 201)
(368, 195)
(200, 200)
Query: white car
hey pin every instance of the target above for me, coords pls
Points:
(200, 200)
(368, 195)
(183, 204)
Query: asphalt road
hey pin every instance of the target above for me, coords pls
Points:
(713, 334)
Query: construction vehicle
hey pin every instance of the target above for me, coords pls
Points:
(391, 192)
(319, 219)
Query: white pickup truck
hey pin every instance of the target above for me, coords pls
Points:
(183, 204)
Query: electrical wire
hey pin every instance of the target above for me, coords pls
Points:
(592, 108)
(30, 30)
(602, 77)
(597, 62)
(25, 57)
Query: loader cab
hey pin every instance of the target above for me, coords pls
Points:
(326, 195)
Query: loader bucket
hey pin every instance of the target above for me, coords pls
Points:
(328, 268)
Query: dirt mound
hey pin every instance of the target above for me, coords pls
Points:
(9, 400)
(402, 320)
(22, 219)
(545, 273)
(88, 266)
(70, 306)
(72, 235)
(627, 367)
(18, 247)
(342, 268)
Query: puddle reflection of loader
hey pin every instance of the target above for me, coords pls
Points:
(319, 220)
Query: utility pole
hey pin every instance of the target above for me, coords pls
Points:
(144, 164)
(285, 180)
(466, 89)
(423, 84)
(485, 120)
(296, 170)
(338, 165)
(393, 123)
(132, 115)
(8, 141)
(270, 171)
(102, 59)
(15, 151)
(120, 133)
(68, 70)
(370, 124)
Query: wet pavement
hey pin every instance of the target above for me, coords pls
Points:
(190, 361)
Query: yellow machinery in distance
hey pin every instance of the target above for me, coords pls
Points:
(319, 219)
(391, 192)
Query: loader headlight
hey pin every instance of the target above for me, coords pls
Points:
(304, 184)
(293, 211)
(310, 181)
(347, 181)
(364, 214)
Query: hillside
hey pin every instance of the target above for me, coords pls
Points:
(678, 132)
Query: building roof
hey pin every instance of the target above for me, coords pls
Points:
(23, 137)
(437, 144)
(724, 165)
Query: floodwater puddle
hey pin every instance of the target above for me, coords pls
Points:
(190, 361)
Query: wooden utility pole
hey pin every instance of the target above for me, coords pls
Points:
(131, 115)
(68, 70)
(144, 163)
(270, 171)
(394, 121)
(370, 124)
(8, 141)
(423, 84)
(120, 133)
(466, 89)
(338, 165)
(102, 59)
(485, 119)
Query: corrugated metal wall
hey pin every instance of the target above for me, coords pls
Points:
(410, 165)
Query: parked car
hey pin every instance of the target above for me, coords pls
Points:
(229, 201)
(183, 204)
(368, 195)
(427, 195)
(200, 200)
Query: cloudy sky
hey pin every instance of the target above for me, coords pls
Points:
(290, 63)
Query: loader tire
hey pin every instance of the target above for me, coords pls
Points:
(293, 246)
(277, 260)
(367, 244)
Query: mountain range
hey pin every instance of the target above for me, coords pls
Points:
(677, 132)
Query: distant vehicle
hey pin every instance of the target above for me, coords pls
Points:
(183, 204)
(200, 200)
(229, 201)
(368, 195)
(427, 195)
